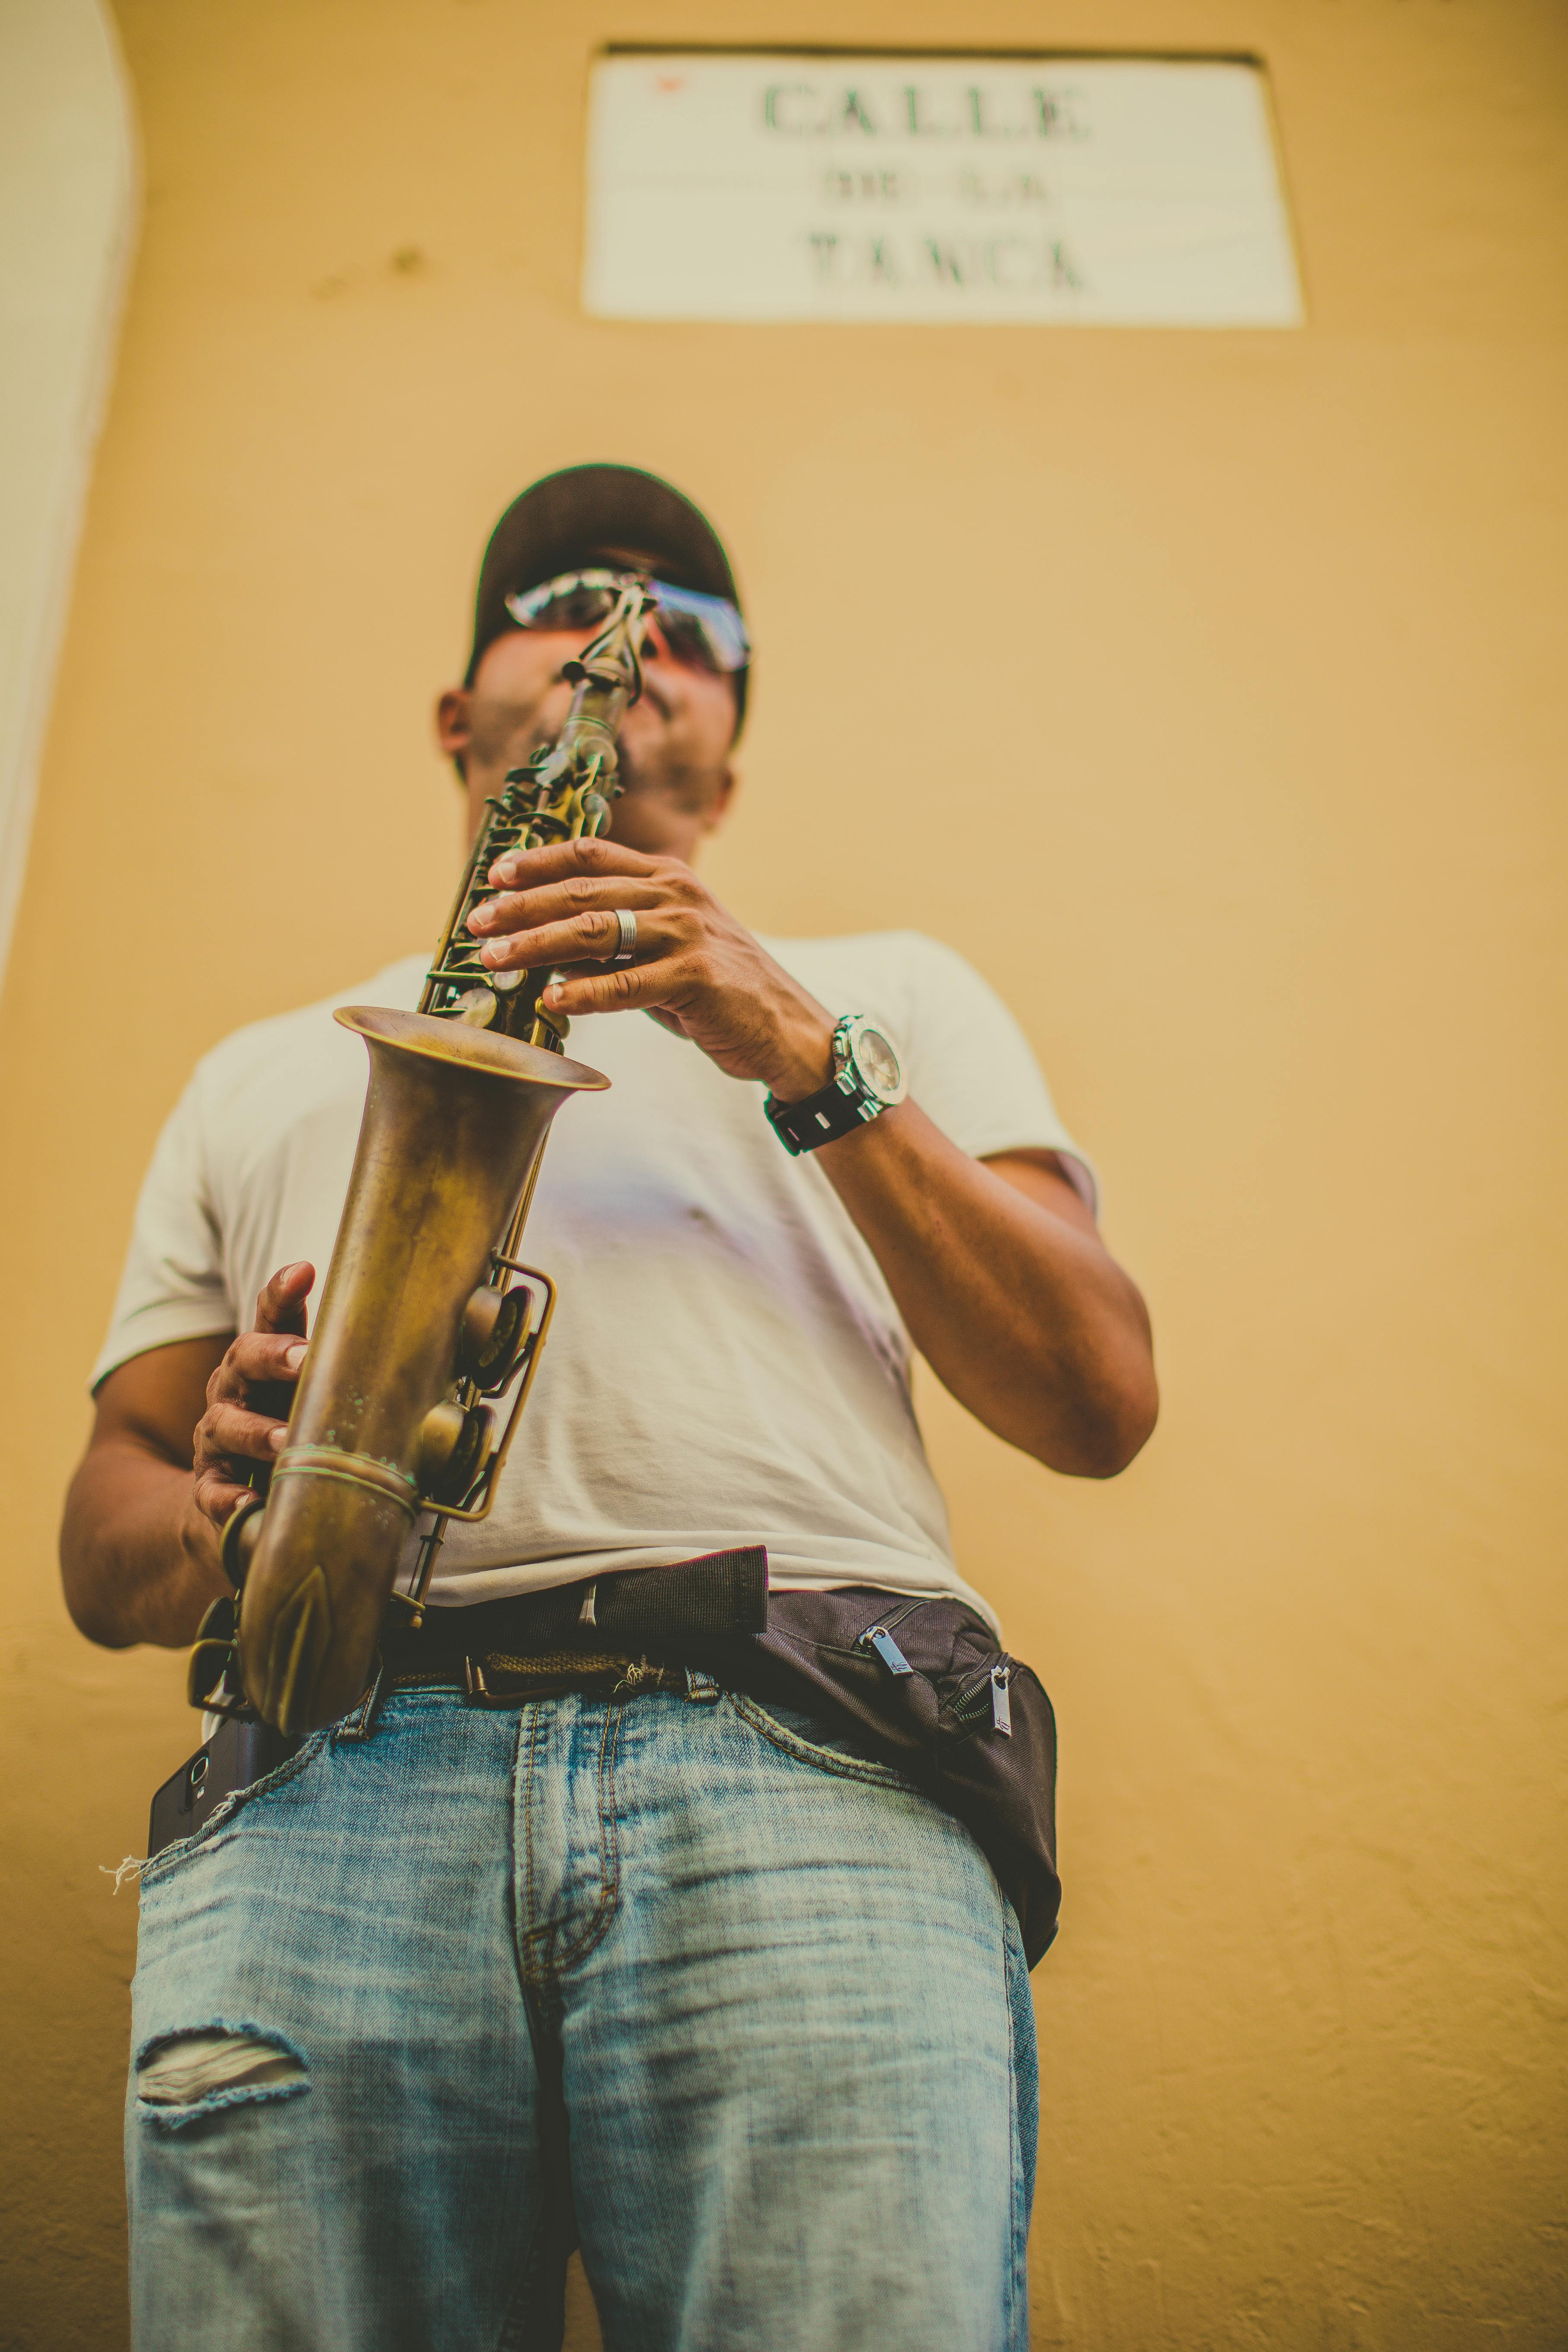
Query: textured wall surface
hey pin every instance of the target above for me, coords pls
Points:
(1205, 690)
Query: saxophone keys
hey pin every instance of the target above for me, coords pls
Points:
(454, 1447)
(494, 1323)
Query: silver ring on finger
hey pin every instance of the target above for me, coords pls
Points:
(626, 950)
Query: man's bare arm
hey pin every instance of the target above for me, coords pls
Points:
(1005, 1286)
(139, 1545)
(138, 1563)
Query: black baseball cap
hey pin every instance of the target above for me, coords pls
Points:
(568, 517)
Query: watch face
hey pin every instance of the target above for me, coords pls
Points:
(877, 1063)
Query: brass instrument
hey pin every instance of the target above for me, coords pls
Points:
(430, 1325)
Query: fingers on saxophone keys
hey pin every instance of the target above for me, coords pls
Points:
(556, 859)
(216, 1495)
(244, 1436)
(218, 1491)
(599, 990)
(259, 1356)
(282, 1305)
(507, 921)
(586, 938)
(531, 910)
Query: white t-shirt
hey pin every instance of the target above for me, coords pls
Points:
(726, 1365)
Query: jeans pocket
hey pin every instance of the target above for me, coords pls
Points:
(220, 1821)
(830, 1743)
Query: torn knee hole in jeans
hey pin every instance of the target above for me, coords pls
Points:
(187, 2073)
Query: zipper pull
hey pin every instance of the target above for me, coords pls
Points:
(1001, 1705)
(888, 1650)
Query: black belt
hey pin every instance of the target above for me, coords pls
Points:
(635, 1630)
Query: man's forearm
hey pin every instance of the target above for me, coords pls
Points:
(139, 1563)
(1027, 1320)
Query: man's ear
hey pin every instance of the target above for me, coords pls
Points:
(453, 731)
(719, 807)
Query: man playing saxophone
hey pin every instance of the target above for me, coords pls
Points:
(619, 1951)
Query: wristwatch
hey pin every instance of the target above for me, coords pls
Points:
(867, 1080)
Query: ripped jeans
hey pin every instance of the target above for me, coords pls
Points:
(700, 1981)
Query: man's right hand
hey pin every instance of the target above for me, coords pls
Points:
(176, 1429)
(249, 1395)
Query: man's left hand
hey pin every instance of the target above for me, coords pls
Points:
(697, 971)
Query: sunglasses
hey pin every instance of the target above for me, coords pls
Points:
(702, 631)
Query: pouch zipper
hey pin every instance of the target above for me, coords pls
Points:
(993, 1681)
(990, 1686)
(1001, 1702)
(879, 1637)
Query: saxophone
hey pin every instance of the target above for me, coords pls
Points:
(430, 1327)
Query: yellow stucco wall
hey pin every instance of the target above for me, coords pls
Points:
(1260, 838)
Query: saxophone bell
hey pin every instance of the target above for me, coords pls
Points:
(419, 1323)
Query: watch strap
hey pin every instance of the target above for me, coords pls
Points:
(837, 1109)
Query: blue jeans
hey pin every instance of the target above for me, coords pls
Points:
(706, 1983)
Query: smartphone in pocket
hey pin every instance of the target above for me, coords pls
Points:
(237, 1753)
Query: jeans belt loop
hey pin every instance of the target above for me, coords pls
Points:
(362, 1721)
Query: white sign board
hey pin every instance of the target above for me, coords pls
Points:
(1103, 191)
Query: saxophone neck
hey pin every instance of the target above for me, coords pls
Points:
(563, 793)
(613, 662)
(607, 680)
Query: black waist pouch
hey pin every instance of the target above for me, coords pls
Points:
(923, 1678)
(971, 1724)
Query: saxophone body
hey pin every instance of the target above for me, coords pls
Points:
(429, 1327)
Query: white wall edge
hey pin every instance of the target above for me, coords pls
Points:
(45, 602)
